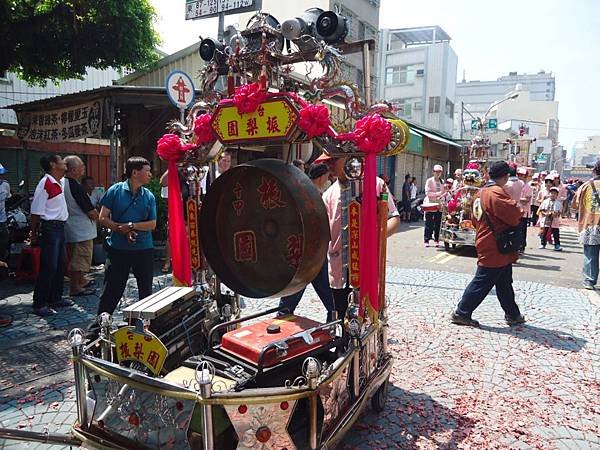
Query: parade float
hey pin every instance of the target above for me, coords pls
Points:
(188, 370)
(457, 227)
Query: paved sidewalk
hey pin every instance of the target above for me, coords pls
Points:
(534, 386)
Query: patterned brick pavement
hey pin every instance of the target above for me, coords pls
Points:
(534, 386)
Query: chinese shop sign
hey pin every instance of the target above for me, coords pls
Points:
(273, 119)
(144, 348)
(62, 125)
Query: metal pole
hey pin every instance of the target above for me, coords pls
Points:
(75, 338)
(367, 73)
(207, 420)
(312, 422)
(462, 118)
(36, 436)
(113, 146)
(221, 29)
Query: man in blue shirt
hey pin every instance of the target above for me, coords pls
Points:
(128, 209)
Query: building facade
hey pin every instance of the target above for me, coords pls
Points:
(586, 152)
(22, 157)
(417, 74)
(476, 96)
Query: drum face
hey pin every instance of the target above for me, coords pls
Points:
(264, 229)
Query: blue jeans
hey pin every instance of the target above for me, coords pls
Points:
(321, 285)
(590, 264)
(481, 285)
(49, 283)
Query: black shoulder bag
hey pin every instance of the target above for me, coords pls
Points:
(508, 241)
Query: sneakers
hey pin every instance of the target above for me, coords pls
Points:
(514, 320)
(589, 287)
(63, 303)
(427, 244)
(542, 247)
(437, 243)
(557, 248)
(462, 320)
(44, 311)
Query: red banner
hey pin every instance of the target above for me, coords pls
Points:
(354, 242)
(192, 214)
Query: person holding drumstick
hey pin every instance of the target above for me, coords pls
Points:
(434, 190)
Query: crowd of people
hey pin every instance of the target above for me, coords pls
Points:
(506, 205)
(67, 209)
(543, 198)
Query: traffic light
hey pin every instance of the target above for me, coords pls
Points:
(521, 131)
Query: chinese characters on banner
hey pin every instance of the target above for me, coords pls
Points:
(62, 125)
(144, 348)
(354, 242)
(275, 118)
(192, 214)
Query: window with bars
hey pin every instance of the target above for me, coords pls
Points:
(434, 104)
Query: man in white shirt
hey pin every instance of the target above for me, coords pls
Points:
(4, 194)
(48, 216)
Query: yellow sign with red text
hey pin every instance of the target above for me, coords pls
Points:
(354, 242)
(144, 348)
(273, 119)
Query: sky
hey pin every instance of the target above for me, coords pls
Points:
(491, 38)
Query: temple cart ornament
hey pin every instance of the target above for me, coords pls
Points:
(188, 371)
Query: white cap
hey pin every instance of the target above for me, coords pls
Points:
(438, 168)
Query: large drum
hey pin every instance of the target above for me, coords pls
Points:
(264, 229)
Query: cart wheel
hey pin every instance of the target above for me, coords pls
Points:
(446, 246)
(379, 398)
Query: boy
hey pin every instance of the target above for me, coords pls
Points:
(550, 211)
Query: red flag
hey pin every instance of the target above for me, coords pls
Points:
(178, 238)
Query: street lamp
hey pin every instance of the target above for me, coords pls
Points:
(480, 143)
(497, 102)
(557, 161)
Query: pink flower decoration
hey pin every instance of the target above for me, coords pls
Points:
(248, 97)
(203, 129)
(314, 120)
(170, 148)
(472, 166)
(452, 204)
(373, 133)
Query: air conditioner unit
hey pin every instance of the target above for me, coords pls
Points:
(420, 72)
(418, 105)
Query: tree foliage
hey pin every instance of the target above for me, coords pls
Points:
(58, 39)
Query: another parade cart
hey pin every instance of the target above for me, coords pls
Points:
(187, 371)
(457, 225)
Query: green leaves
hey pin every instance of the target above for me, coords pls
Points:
(59, 39)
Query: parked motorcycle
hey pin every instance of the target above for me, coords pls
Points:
(17, 220)
(416, 213)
